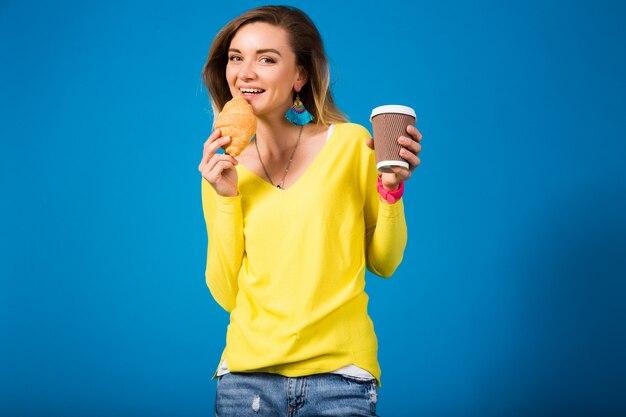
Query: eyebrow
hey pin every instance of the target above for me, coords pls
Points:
(259, 51)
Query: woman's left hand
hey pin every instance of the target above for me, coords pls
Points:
(411, 148)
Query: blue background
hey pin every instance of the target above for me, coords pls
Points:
(511, 298)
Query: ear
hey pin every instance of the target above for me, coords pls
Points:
(301, 79)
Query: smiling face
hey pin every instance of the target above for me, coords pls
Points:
(262, 67)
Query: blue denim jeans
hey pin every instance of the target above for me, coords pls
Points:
(263, 394)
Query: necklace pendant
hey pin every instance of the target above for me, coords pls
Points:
(267, 174)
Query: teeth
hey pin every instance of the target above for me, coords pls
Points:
(251, 90)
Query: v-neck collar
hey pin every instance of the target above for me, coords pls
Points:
(331, 132)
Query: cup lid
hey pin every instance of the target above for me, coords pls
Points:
(393, 108)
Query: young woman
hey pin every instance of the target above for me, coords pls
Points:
(293, 222)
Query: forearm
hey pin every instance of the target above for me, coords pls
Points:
(224, 220)
(387, 241)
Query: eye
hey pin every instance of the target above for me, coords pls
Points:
(267, 60)
(234, 58)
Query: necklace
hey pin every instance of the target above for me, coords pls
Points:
(282, 182)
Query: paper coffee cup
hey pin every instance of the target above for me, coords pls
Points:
(389, 123)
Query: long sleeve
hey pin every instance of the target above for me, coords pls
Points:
(224, 223)
(386, 233)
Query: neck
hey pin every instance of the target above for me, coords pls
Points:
(277, 136)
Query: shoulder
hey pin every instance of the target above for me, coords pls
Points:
(352, 130)
(351, 135)
(350, 141)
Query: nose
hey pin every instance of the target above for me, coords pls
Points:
(246, 71)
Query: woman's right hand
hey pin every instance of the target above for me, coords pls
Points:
(219, 169)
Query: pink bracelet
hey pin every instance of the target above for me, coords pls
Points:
(389, 196)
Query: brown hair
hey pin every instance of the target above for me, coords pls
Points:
(306, 42)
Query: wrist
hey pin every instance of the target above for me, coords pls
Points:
(390, 188)
(227, 193)
(387, 194)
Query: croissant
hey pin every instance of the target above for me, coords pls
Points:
(238, 121)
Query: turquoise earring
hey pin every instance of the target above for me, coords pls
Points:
(298, 114)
